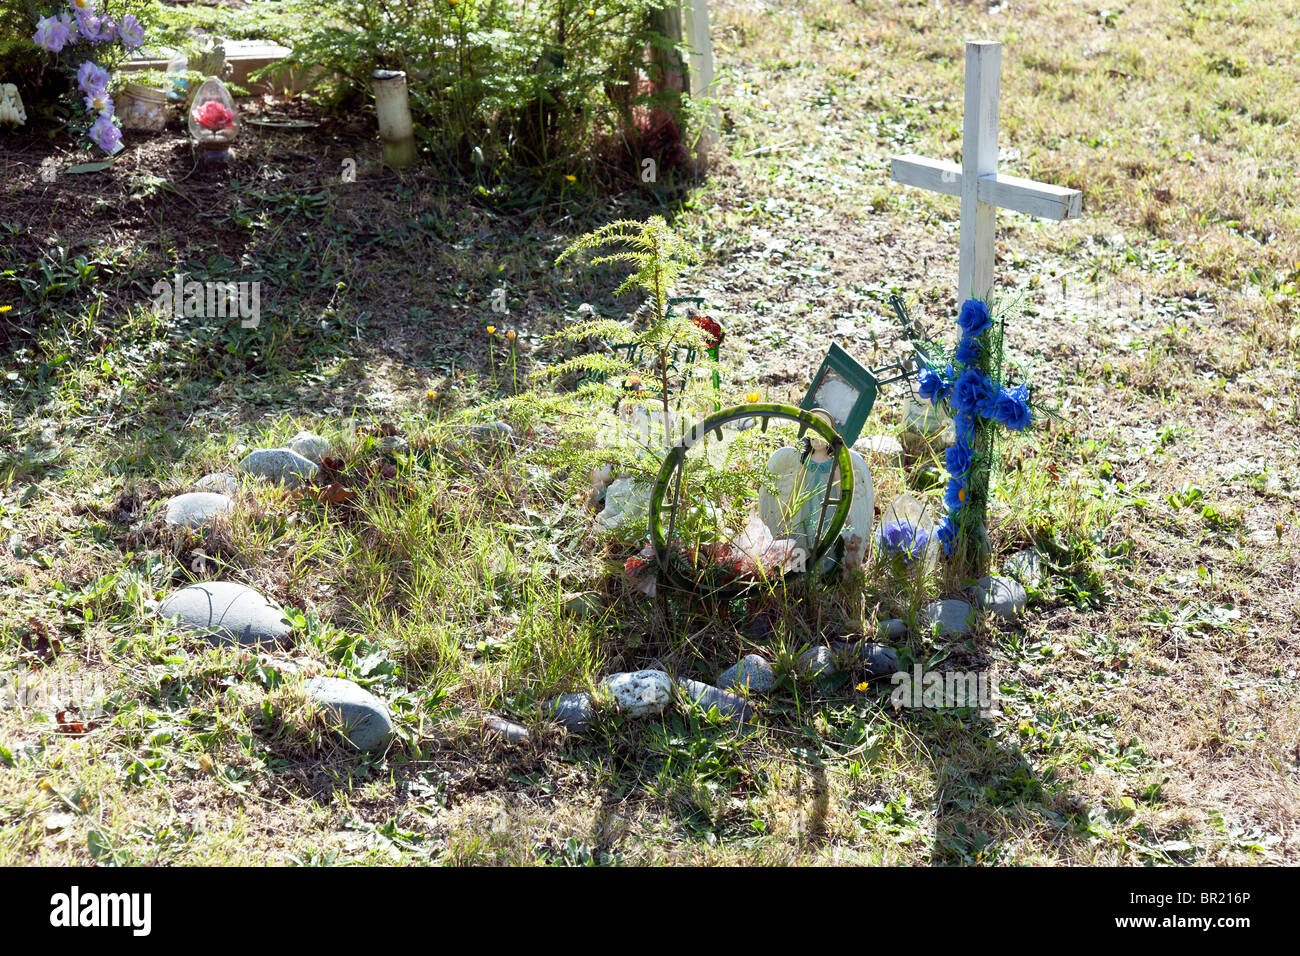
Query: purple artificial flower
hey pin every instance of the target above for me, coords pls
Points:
(974, 317)
(92, 78)
(973, 392)
(52, 33)
(130, 30)
(958, 459)
(105, 134)
(95, 29)
(99, 102)
(901, 538)
(1011, 408)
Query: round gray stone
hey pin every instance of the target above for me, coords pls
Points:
(572, 711)
(492, 434)
(218, 482)
(640, 693)
(877, 659)
(816, 662)
(895, 629)
(753, 672)
(1026, 567)
(362, 718)
(310, 446)
(708, 697)
(227, 613)
(279, 465)
(953, 617)
(1001, 596)
(196, 509)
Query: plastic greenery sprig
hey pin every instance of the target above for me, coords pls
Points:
(971, 385)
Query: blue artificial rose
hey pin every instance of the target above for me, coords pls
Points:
(964, 424)
(1011, 408)
(973, 392)
(955, 496)
(929, 385)
(968, 351)
(974, 317)
(947, 533)
(958, 459)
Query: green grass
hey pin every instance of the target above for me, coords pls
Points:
(1147, 704)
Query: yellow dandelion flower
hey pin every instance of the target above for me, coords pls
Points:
(511, 335)
(492, 330)
(863, 686)
(430, 395)
(571, 178)
(752, 398)
(591, 12)
(6, 308)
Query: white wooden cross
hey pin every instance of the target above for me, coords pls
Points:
(982, 190)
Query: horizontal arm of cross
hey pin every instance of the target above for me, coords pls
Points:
(1005, 192)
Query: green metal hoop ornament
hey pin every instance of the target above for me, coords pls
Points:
(764, 412)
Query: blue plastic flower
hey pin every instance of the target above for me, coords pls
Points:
(973, 392)
(974, 317)
(968, 350)
(929, 385)
(955, 496)
(958, 459)
(1011, 408)
(964, 424)
(947, 534)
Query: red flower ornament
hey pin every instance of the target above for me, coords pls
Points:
(214, 115)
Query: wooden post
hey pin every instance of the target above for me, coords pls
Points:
(687, 24)
(700, 44)
(979, 157)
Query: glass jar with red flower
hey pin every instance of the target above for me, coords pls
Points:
(213, 122)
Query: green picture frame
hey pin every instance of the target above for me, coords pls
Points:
(855, 392)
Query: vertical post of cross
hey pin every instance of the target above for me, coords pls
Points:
(979, 157)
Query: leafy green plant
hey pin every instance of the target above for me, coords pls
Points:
(495, 87)
(658, 256)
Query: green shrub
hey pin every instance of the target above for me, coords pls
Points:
(497, 85)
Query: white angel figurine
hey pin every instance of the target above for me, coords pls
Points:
(11, 105)
(801, 479)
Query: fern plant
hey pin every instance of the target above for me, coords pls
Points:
(658, 256)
